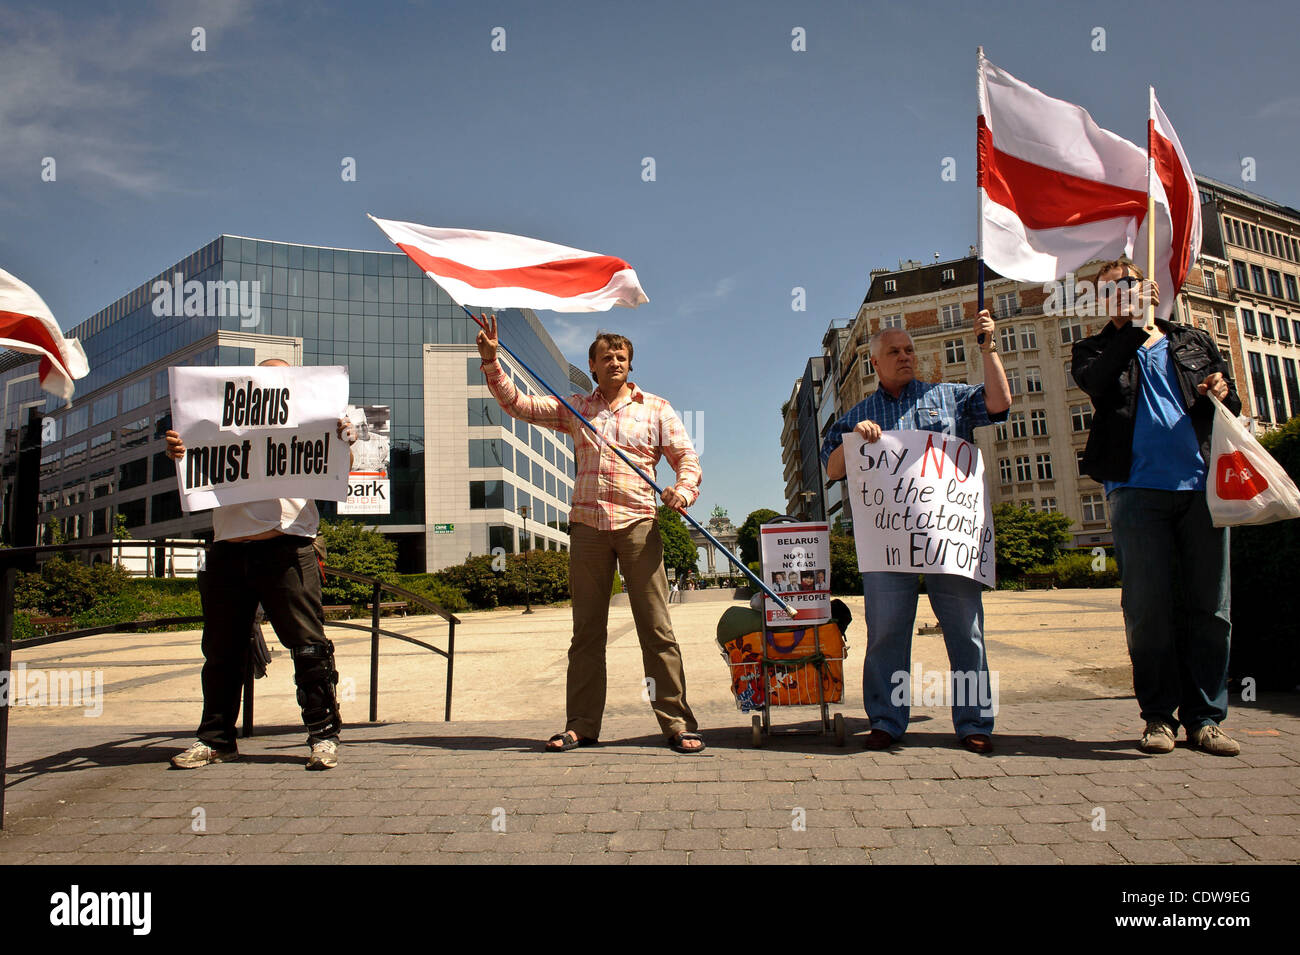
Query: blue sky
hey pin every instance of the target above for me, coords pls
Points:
(774, 168)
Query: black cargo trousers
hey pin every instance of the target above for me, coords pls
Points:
(282, 574)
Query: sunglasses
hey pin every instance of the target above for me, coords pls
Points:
(1122, 284)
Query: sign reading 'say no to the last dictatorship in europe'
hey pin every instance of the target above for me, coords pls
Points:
(920, 505)
(254, 434)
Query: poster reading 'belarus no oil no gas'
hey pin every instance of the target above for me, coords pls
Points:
(254, 434)
(797, 565)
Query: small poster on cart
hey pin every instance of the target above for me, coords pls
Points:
(797, 565)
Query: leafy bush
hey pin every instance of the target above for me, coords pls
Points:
(845, 576)
(431, 588)
(1076, 570)
(541, 576)
(65, 588)
(349, 546)
(1025, 538)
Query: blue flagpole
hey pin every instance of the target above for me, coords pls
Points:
(645, 477)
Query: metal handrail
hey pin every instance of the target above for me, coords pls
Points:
(9, 557)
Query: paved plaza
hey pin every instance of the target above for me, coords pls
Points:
(1065, 784)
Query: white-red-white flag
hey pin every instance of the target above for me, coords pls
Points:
(27, 325)
(1178, 209)
(499, 270)
(1056, 190)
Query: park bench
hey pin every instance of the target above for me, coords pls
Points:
(1040, 581)
(394, 606)
(337, 609)
(51, 624)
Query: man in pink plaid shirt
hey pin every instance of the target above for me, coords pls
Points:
(612, 520)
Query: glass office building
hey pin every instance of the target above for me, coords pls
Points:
(459, 473)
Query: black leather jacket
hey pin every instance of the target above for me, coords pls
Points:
(1105, 365)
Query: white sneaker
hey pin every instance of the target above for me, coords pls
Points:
(324, 755)
(201, 754)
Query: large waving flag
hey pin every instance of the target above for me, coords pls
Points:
(27, 325)
(499, 270)
(1056, 190)
(1178, 206)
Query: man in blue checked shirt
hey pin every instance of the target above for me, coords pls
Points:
(901, 402)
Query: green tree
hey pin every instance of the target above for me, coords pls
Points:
(679, 551)
(119, 527)
(845, 576)
(54, 532)
(349, 546)
(747, 536)
(1024, 538)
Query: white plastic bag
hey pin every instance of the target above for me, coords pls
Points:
(1245, 484)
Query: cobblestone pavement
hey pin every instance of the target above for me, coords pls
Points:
(1065, 785)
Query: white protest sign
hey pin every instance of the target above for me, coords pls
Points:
(920, 505)
(259, 433)
(797, 565)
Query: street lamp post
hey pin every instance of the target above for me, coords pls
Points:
(528, 578)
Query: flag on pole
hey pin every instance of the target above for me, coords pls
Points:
(1056, 190)
(27, 325)
(1178, 208)
(499, 270)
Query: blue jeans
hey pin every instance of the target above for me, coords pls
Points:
(891, 618)
(1173, 564)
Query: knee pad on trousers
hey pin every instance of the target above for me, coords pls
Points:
(314, 673)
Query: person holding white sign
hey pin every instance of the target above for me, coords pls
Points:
(263, 551)
(902, 402)
(1150, 447)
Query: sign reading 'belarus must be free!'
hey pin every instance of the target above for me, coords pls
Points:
(254, 433)
(920, 505)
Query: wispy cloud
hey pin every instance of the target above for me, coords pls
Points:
(1288, 107)
(706, 301)
(82, 89)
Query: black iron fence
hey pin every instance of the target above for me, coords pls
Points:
(12, 559)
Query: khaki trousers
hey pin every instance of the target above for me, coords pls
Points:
(639, 553)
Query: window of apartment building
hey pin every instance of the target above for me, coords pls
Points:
(1272, 243)
(1283, 329)
(1254, 237)
(1028, 505)
(104, 409)
(1049, 505)
(1208, 280)
(1236, 232)
(484, 412)
(1038, 422)
(891, 285)
(550, 484)
(1081, 417)
(1275, 384)
(1248, 322)
(1292, 292)
(1274, 283)
(950, 316)
(473, 373)
(1007, 337)
(539, 477)
(892, 321)
(535, 439)
(99, 521)
(133, 511)
(1071, 330)
(1013, 380)
(1033, 380)
(1257, 279)
(500, 536)
(1259, 385)
(1295, 330)
(1044, 467)
(955, 351)
(1000, 431)
(1266, 326)
(1220, 323)
(1023, 471)
(491, 494)
(1004, 470)
(1017, 421)
(165, 507)
(550, 453)
(1094, 507)
(1028, 337)
(1292, 384)
(133, 474)
(522, 465)
(490, 453)
(949, 275)
(1078, 460)
(1006, 304)
(1239, 274)
(135, 394)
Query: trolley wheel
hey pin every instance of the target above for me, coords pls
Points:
(756, 732)
(839, 729)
